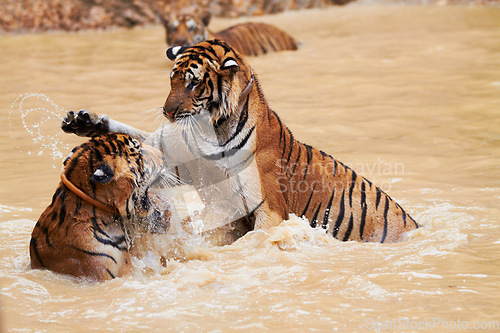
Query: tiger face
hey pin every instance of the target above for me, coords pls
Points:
(186, 29)
(122, 171)
(207, 78)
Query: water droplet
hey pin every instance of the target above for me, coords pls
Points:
(37, 114)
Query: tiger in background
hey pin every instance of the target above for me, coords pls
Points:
(274, 174)
(85, 231)
(251, 39)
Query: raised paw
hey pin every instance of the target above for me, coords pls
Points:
(85, 123)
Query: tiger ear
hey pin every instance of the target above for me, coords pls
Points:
(163, 19)
(173, 52)
(230, 65)
(103, 174)
(205, 18)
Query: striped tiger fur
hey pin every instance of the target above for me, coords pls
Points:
(272, 173)
(212, 78)
(251, 39)
(87, 239)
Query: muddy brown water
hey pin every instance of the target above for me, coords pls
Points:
(407, 96)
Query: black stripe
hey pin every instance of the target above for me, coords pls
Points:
(353, 183)
(243, 164)
(363, 220)
(291, 147)
(416, 224)
(279, 123)
(115, 243)
(91, 168)
(404, 215)
(363, 212)
(386, 209)
(379, 194)
(241, 123)
(56, 194)
(62, 211)
(284, 146)
(47, 238)
(314, 219)
(340, 217)
(210, 84)
(309, 157)
(33, 244)
(98, 155)
(219, 86)
(256, 207)
(110, 274)
(96, 226)
(106, 149)
(90, 253)
(349, 229)
(120, 148)
(296, 161)
(113, 146)
(308, 201)
(74, 159)
(327, 211)
(234, 150)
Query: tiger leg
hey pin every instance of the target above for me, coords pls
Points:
(88, 124)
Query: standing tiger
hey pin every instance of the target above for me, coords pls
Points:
(251, 39)
(85, 231)
(213, 87)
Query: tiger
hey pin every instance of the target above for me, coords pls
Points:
(104, 186)
(250, 39)
(214, 88)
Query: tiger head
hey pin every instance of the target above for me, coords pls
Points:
(88, 229)
(208, 78)
(118, 171)
(186, 29)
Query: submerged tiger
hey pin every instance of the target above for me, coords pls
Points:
(273, 174)
(251, 39)
(104, 187)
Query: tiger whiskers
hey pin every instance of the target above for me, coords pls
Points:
(159, 121)
(145, 115)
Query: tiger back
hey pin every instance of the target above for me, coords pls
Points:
(211, 78)
(104, 186)
(252, 39)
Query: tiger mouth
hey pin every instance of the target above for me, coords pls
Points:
(183, 115)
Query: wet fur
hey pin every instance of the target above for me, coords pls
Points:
(74, 237)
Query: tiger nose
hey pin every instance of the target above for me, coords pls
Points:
(169, 112)
(181, 42)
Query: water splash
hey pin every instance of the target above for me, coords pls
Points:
(39, 115)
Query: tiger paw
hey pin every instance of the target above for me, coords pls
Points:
(85, 123)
